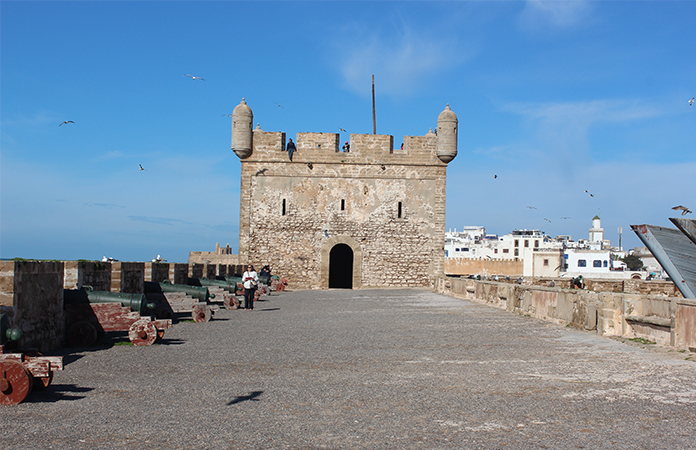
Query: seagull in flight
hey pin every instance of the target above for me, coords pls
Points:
(67, 121)
(563, 218)
(531, 207)
(194, 78)
(141, 167)
(683, 209)
(547, 220)
(691, 102)
(279, 105)
(226, 115)
(495, 176)
(588, 193)
(343, 130)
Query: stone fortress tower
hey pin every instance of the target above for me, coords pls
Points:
(371, 217)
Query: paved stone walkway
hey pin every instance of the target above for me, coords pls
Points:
(373, 369)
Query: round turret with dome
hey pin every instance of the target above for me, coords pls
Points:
(242, 121)
(447, 125)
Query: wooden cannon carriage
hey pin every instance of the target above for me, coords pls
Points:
(22, 371)
(170, 299)
(92, 313)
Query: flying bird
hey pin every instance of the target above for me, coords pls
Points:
(262, 171)
(691, 102)
(194, 78)
(226, 115)
(67, 121)
(141, 167)
(531, 207)
(563, 218)
(588, 193)
(547, 220)
(343, 130)
(495, 176)
(683, 209)
(279, 105)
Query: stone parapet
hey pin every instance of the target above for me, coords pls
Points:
(667, 321)
(31, 294)
(87, 273)
(128, 277)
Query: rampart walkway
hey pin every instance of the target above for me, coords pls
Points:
(390, 369)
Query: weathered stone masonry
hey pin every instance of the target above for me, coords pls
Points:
(386, 204)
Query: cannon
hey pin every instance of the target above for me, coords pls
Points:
(199, 292)
(22, 371)
(91, 313)
(222, 289)
(136, 302)
(171, 299)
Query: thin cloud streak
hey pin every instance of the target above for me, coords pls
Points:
(554, 13)
(399, 62)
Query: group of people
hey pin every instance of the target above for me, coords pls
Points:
(251, 282)
(291, 148)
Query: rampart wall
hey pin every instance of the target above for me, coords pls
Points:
(667, 321)
(505, 267)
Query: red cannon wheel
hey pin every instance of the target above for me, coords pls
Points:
(201, 313)
(142, 332)
(15, 382)
(81, 334)
(230, 302)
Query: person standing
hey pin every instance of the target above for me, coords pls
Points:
(291, 148)
(251, 280)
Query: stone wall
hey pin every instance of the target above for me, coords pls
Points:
(128, 277)
(468, 266)
(156, 271)
(31, 294)
(667, 321)
(388, 206)
(178, 273)
(87, 273)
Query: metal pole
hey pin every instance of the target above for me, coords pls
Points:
(374, 118)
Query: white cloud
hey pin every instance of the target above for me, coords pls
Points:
(555, 13)
(399, 61)
(561, 129)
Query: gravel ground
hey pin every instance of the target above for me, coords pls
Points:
(377, 369)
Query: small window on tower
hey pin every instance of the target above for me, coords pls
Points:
(343, 205)
(283, 212)
(399, 212)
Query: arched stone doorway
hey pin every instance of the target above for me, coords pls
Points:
(344, 246)
(341, 267)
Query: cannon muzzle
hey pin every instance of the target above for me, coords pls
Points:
(8, 334)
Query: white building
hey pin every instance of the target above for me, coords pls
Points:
(541, 254)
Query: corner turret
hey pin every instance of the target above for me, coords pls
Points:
(242, 119)
(447, 125)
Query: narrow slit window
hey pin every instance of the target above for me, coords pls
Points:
(343, 205)
(283, 206)
(399, 211)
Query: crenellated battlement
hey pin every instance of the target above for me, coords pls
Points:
(327, 148)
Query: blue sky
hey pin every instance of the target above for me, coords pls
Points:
(553, 97)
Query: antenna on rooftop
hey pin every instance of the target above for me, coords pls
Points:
(374, 118)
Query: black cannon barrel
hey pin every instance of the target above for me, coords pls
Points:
(136, 302)
(199, 292)
(226, 285)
